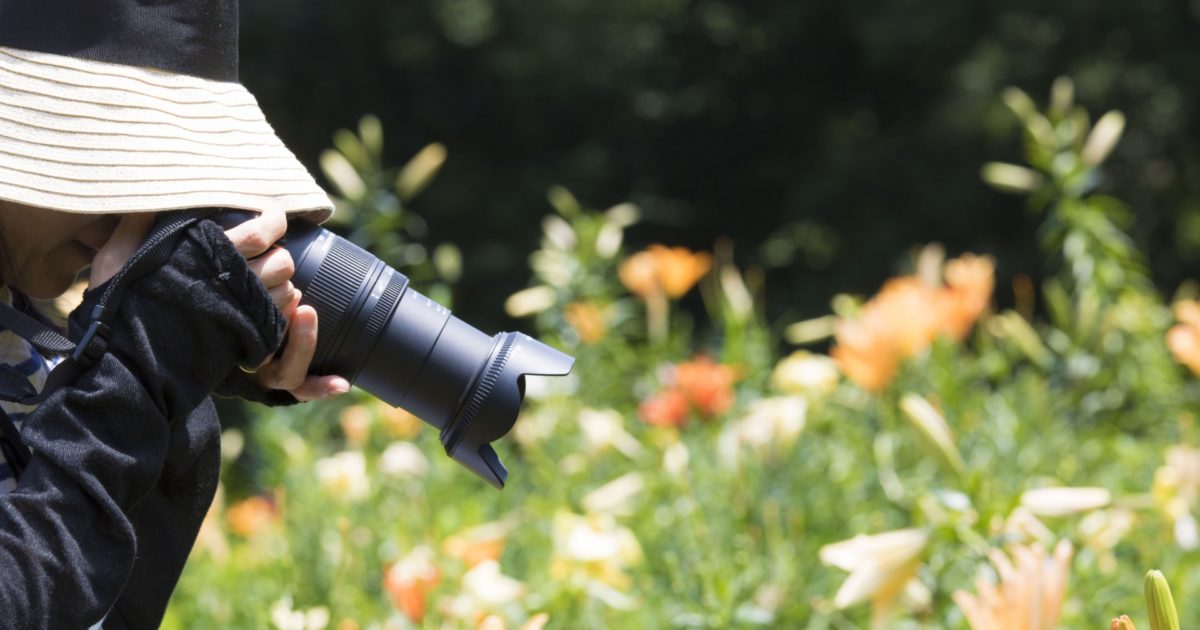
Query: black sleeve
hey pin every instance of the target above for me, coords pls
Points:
(99, 443)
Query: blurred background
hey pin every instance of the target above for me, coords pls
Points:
(884, 316)
(825, 138)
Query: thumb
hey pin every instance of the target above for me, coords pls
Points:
(125, 239)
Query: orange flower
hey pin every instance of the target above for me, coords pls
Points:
(251, 516)
(410, 581)
(971, 279)
(699, 384)
(398, 422)
(479, 543)
(906, 316)
(588, 320)
(639, 274)
(1184, 338)
(707, 385)
(356, 424)
(1029, 594)
(668, 408)
(678, 268)
(670, 270)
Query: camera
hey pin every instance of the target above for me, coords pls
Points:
(409, 351)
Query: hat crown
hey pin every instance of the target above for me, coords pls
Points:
(195, 37)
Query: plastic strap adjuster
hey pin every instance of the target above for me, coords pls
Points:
(93, 345)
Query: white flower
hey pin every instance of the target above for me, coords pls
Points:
(284, 617)
(593, 550)
(1065, 501)
(604, 429)
(344, 475)
(805, 373)
(675, 459)
(530, 301)
(403, 459)
(615, 497)
(933, 431)
(773, 421)
(491, 588)
(879, 565)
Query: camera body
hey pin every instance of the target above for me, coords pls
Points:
(409, 351)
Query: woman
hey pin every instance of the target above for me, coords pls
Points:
(111, 112)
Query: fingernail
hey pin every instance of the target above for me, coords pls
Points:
(338, 387)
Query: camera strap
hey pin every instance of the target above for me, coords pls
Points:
(152, 253)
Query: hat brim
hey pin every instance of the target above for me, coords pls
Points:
(86, 136)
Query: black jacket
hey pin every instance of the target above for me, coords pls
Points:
(126, 458)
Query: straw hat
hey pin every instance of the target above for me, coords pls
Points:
(113, 106)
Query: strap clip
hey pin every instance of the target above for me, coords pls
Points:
(93, 345)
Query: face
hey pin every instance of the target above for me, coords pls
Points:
(44, 250)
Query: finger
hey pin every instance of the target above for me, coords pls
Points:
(258, 234)
(283, 296)
(125, 239)
(321, 388)
(291, 368)
(273, 268)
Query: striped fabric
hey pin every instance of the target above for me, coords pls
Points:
(16, 352)
(87, 136)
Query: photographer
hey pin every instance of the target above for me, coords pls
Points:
(111, 113)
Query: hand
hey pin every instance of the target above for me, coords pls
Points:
(255, 239)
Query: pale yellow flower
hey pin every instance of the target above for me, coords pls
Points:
(805, 373)
(881, 567)
(1065, 501)
(1029, 594)
(403, 459)
(344, 476)
(480, 543)
(604, 429)
(593, 548)
(615, 497)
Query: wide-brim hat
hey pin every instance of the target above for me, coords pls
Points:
(113, 106)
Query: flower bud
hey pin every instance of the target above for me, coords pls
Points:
(1159, 603)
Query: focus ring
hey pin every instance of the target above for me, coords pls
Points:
(380, 316)
(332, 291)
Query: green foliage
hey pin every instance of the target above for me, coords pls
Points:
(685, 476)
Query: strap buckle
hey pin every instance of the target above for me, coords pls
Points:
(93, 345)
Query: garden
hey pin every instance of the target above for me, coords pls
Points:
(918, 456)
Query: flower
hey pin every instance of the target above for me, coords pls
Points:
(906, 316)
(805, 373)
(932, 431)
(403, 459)
(251, 516)
(588, 320)
(707, 385)
(1159, 603)
(593, 548)
(969, 283)
(672, 271)
(1122, 623)
(480, 543)
(1176, 490)
(604, 429)
(615, 497)
(284, 617)
(397, 422)
(1183, 339)
(668, 408)
(1064, 501)
(409, 582)
(773, 421)
(356, 424)
(1030, 593)
(880, 566)
(344, 476)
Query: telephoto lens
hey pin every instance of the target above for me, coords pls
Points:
(409, 351)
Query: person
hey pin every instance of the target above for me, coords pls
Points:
(113, 112)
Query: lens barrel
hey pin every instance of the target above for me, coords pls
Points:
(412, 352)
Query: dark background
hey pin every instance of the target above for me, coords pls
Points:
(826, 138)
